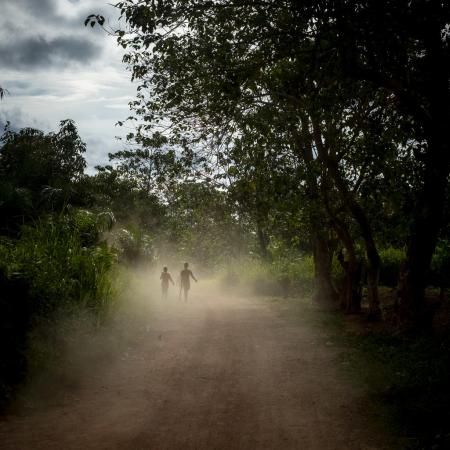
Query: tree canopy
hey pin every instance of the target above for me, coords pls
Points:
(309, 95)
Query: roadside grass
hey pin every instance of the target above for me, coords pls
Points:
(75, 348)
(407, 378)
(57, 276)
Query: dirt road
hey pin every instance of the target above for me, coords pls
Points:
(212, 374)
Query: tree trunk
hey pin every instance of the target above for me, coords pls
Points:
(373, 259)
(262, 241)
(373, 275)
(423, 238)
(261, 219)
(351, 295)
(324, 290)
(428, 214)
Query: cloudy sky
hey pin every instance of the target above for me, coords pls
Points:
(55, 68)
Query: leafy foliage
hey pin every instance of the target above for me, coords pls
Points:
(56, 267)
(38, 172)
(312, 96)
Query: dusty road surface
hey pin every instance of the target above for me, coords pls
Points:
(216, 373)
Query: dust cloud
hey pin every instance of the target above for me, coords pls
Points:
(87, 349)
(219, 371)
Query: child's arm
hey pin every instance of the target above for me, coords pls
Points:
(192, 275)
(170, 278)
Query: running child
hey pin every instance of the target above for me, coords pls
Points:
(185, 278)
(165, 278)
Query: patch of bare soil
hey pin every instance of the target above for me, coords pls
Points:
(215, 373)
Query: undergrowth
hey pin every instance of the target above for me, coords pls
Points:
(406, 377)
(56, 267)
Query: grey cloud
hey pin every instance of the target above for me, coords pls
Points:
(20, 88)
(97, 149)
(46, 54)
(111, 15)
(18, 119)
(40, 7)
(45, 13)
(41, 52)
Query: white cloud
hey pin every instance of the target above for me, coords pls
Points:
(94, 92)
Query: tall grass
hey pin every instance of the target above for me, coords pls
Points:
(61, 270)
(286, 273)
(58, 267)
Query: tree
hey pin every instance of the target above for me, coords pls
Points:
(411, 61)
(38, 170)
(199, 96)
(32, 159)
(207, 65)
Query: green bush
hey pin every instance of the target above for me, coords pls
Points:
(409, 379)
(294, 271)
(133, 245)
(391, 260)
(61, 270)
(56, 267)
(440, 265)
(288, 272)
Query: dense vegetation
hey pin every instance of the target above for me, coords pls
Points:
(325, 122)
(64, 234)
(327, 134)
(292, 134)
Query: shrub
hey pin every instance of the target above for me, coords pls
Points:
(61, 270)
(294, 271)
(47, 272)
(391, 260)
(440, 266)
(133, 245)
(288, 272)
